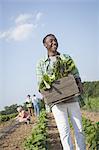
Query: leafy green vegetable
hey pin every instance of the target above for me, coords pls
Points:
(47, 81)
(59, 70)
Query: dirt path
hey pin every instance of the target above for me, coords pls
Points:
(53, 135)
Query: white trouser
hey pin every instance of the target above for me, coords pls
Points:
(61, 112)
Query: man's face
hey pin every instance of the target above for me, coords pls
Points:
(51, 44)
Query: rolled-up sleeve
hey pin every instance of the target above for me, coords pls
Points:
(39, 73)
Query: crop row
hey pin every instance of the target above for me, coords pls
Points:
(4, 118)
(92, 134)
(38, 138)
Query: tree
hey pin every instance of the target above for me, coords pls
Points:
(9, 109)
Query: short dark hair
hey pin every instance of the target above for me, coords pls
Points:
(47, 36)
(28, 95)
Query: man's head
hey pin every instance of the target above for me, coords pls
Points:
(50, 42)
(28, 96)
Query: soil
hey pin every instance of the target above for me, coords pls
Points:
(13, 140)
(53, 135)
(93, 116)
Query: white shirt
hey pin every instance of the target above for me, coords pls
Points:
(52, 60)
(35, 100)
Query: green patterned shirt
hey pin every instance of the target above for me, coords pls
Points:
(44, 67)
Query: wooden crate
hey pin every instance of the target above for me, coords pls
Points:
(62, 89)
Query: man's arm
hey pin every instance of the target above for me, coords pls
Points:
(79, 83)
(73, 70)
(39, 73)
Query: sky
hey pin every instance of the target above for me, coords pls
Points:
(24, 24)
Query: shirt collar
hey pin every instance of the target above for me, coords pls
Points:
(47, 57)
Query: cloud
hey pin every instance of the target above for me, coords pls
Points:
(24, 26)
(23, 18)
(4, 34)
(19, 33)
(22, 32)
(38, 16)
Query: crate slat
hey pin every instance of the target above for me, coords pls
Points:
(63, 88)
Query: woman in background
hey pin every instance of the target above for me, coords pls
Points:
(23, 116)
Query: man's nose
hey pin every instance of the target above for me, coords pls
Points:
(54, 42)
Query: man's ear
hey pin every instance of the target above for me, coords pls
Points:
(45, 45)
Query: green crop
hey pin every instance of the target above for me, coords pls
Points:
(92, 134)
(38, 138)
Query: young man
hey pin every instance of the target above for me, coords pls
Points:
(36, 105)
(62, 109)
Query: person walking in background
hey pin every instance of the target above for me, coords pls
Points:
(29, 105)
(36, 105)
(23, 116)
(45, 70)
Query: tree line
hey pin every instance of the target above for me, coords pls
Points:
(91, 89)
